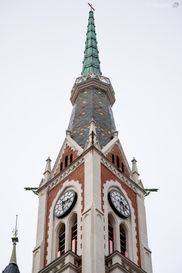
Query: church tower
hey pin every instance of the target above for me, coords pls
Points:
(91, 216)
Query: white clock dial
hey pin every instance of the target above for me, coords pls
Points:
(65, 203)
(119, 203)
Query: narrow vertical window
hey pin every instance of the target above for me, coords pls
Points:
(113, 159)
(122, 167)
(122, 241)
(74, 238)
(66, 161)
(110, 239)
(61, 247)
(117, 162)
(71, 158)
(61, 166)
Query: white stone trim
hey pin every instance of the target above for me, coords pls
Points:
(146, 260)
(38, 253)
(54, 223)
(65, 173)
(117, 173)
(70, 143)
(130, 223)
(108, 146)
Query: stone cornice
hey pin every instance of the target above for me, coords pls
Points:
(103, 84)
(117, 260)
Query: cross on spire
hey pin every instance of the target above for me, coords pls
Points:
(15, 232)
(91, 7)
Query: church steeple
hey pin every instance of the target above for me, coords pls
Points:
(91, 62)
(91, 215)
(92, 96)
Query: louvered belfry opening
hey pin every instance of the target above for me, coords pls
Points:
(110, 239)
(74, 238)
(61, 249)
(122, 240)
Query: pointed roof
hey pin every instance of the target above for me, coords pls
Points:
(12, 267)
(91, 62)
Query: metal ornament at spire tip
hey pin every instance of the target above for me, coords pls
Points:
(15, 232)
(91, 7)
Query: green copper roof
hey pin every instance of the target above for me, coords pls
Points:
(91, 63)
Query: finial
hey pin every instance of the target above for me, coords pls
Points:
(91, 7)
(48, 166)
(15, 231)
(47, 171)
(135, 170)
(14, 240)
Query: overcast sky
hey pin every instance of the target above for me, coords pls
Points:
(41, 53)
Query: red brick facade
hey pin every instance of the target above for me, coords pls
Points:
(108, 175)
(116, 158)
(68, 156)
(78, 175)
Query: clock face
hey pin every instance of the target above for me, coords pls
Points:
(65, 203)
(119, 204)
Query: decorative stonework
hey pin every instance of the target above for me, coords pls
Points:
(66, 150)
(117, 173)
(117, 260)
(61, 264)
(65, 173)
(130, 223)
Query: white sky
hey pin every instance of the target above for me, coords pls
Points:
(41, 52)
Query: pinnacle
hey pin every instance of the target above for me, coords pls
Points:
(91, 62)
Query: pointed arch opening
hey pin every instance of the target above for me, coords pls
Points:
(71, 158)
(66, 161)
(111, 234)
(123, 240)
(61, 241)
(73, 233)
(117, 162)
(113, 159)
(122, 167)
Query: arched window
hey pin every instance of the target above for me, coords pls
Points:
(117, 161)
(113, 159)
(71, 158)
(73, 226)
(66, 161)
(61, 246)
(61, 166)
(110, 238)
(122, 167)
(122, 241)
(111, 234)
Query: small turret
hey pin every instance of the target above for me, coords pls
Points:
(135, 171)
(47, 171)
(12, 266)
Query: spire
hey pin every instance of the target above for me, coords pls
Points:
(12, 266)
(13, 255)
(14, 240)
(91, 63)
